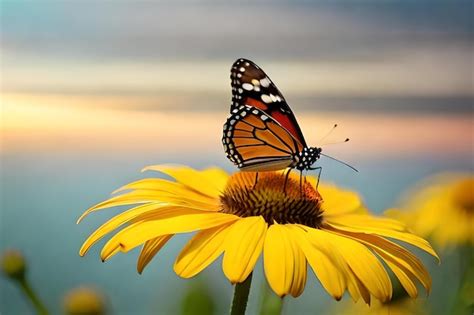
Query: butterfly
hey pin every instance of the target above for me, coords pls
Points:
(262, 133)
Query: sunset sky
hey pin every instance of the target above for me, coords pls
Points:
(93, 91)
(78, 69)
(388, 48)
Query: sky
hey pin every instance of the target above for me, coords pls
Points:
(73, 72)
(93, 91)
(311, 49)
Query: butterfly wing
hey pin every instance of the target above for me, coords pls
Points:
(256, 142)
(251, 86)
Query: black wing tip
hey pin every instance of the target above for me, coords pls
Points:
(242, 59)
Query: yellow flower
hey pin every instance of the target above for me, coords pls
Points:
(334, 234)
(84, 301)
(442, 207)
(13, 264)
(398, 307)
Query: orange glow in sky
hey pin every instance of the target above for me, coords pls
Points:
(64, 123)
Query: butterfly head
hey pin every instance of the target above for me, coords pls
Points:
(307, 157)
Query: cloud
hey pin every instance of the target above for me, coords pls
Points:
(311, 50)
(155, 30)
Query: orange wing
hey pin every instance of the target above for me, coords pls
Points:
(252, 86)
(254, 141)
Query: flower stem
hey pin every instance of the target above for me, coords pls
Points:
(241, 296)
(25, 286)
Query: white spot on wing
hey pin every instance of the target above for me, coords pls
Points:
(247, 86)
(266, 98)
(242, 69)
(265, 82)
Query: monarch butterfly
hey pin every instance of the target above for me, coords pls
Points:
(261, 133)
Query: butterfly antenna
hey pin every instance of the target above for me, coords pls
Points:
(350, 166)
(328, 133)
(337, 142)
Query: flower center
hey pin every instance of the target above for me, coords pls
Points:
(464, 194)
(272, 198)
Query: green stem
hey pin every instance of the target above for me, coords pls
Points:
(25, 286)
(241, 296)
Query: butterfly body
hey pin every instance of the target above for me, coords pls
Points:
(307, 158)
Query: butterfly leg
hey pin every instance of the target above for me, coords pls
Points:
(301, 183)
(320, 169)
(286, 180)
(256, 180)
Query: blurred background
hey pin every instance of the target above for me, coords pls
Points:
(92, 91)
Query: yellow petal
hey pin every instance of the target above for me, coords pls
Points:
(361, 221)
(352, 288)
(201, 251)
(360, 260)
(138, 233)
(405, 277)
(397, 255)
(364, 292)
(406, 260)
(216, 176)
(163, 185)
(300, 267)
(330, 276)
(278, 260)
(156, 210)
(107, 255)
(149, 250)
(190, 178)
(137, 197)
(338, 201)
(122, 200)
(402, 236)
(243, 247)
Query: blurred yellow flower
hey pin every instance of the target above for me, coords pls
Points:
(13, 264)
(441, 207)
(84, 301)
(402, 306)
(342, 243)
